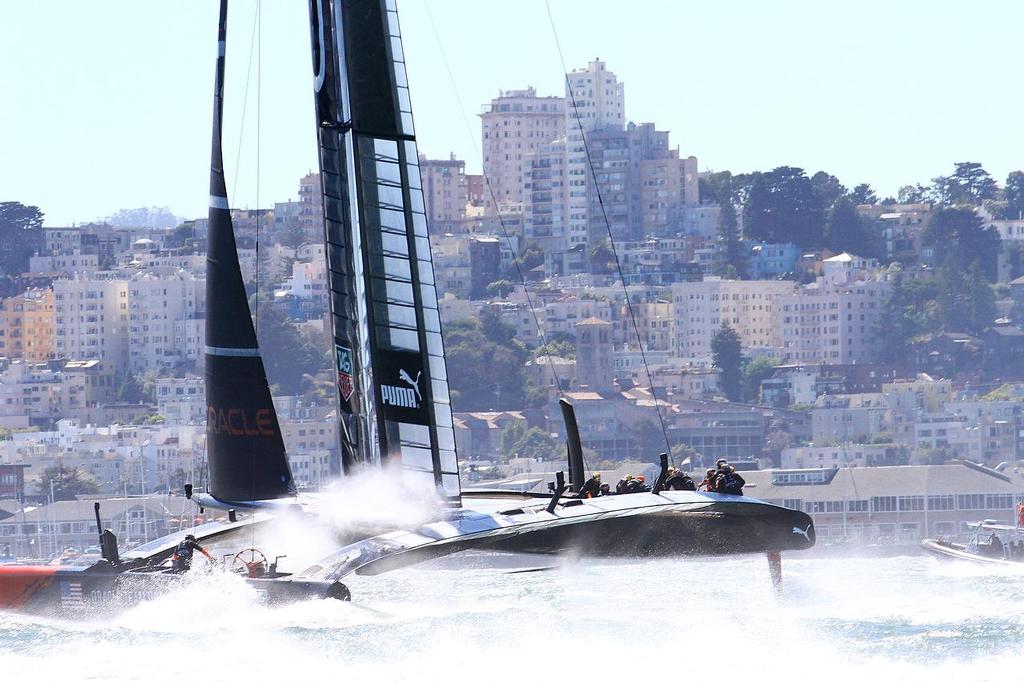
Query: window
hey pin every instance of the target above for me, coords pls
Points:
(883, 504)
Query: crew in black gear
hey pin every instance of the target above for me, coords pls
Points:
(182, 559)
(592, 486)
(638, 485)
(728, 481)
(677, 480)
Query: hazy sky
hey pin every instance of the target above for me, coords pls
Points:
(107, 105)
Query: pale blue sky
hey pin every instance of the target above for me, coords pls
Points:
(107, 104)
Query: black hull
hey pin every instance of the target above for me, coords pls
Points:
(720, 530)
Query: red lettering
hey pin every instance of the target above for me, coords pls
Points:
(265, 422)
(235, 422)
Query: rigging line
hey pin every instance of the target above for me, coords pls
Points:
(256, 312)
(259, 102)
(245, 101)
(494, 200)
(608, 226)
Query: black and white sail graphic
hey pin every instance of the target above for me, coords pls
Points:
(393, 385)
(245, 449)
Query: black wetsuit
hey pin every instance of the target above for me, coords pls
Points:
(729, 483)
(592, 488)
(679, 481)
(182, 560)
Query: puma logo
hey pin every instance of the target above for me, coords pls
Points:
(806, 532)
(404, 376)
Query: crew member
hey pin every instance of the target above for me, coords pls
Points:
(592, 487)
(638, 485)
(623, 485)
(677, 480)
(182, 559)
(708, 484)
(606, 489)
(728, 481)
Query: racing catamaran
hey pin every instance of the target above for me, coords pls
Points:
(394, 405)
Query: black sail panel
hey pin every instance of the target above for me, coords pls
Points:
(245, 449)
(383, 299)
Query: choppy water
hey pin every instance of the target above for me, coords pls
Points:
(906, 618)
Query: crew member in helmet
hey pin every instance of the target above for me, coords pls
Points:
(678, 480)
(708, 484)
(728, 481)
(182, 559)
(592, 486)
(623, 485)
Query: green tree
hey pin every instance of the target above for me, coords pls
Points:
(863, 194)
(782, 206)
(754, 372)
(130, 389)
(483, 374)
(911, 194)
(902, 318)
(290, 359)
(647, 438)
(518, 440)
(964, 301)
(970, 184)
(558, 348)
(727, 356)
(715, 188)
(602, 260)
(961, 235)
(845, 231)
(531, 257)
(1014, 194)
(500, 288)
(735, 260)
(68, 483)
(21, 236)
(827, 187)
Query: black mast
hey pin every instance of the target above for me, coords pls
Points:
(245, 450)
(387, 333)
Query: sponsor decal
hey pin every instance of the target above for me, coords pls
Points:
(400, 396)
(402, 391)
(238, 422)
(346, 385)
(805, 532)
(71, 595)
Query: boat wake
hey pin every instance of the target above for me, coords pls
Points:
(895, 618)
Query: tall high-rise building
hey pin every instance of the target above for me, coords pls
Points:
(514, 125)
(311, 213)
(596, 100)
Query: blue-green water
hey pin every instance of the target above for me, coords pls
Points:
(903, 618)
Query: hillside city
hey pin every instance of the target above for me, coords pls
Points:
(860, 357)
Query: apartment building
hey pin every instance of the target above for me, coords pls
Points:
(834, 320)
(514, 126)
(155, 304)
(27, 326)
(91, 318)
(701, 308)
(595, 100)
(445, 193)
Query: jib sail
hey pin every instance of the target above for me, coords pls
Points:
(392, 380)
(245, 450)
